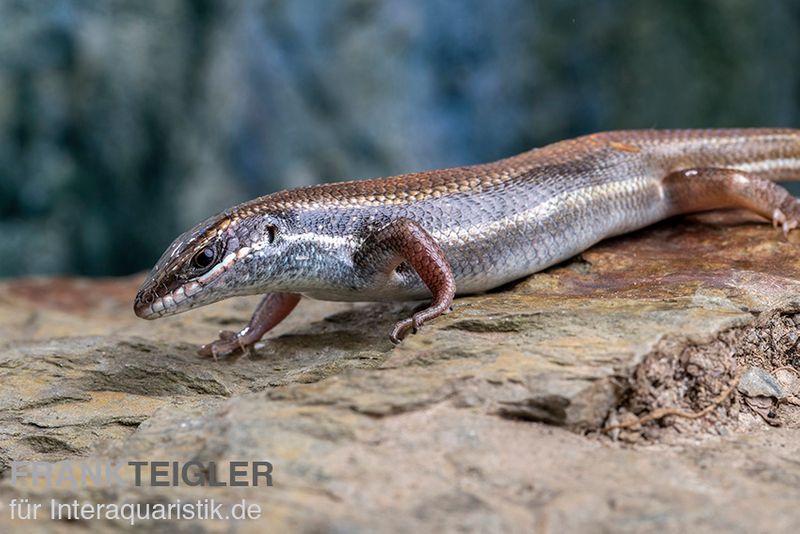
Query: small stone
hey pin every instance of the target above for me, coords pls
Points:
(756, 382)
(789, 381)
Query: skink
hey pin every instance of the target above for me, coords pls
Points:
(463, 230)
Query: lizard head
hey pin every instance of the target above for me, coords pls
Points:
(221, 257)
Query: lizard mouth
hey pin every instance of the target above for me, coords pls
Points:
(150, 306)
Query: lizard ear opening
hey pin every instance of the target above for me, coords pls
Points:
(272, 233)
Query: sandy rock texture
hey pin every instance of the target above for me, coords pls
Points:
(515, 412)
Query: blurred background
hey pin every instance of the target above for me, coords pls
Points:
(124, 122)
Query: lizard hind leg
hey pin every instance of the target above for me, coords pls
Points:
(272, 309)
(704, 189)
(404, 240)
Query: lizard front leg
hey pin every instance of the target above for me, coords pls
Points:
(404, 240)
(711, 188)
(272, 309)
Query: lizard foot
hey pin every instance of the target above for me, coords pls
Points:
(227, 344)
(414, 324)
(787, 222)
(402, 328)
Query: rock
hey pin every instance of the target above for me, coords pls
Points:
(756, 382)
(789, 380)
(476, 423)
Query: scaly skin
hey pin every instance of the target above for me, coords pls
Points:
(467, 229)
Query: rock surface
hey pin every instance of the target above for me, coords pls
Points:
(490, 419)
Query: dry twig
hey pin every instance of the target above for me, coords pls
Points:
(660, 413)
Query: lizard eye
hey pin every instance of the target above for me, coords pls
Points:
(204, 259)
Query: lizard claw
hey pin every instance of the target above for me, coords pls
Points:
(787, 224)
(401, 329)
(227, 344)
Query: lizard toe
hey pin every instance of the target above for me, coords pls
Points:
(400, 330)
(227, 335)
(222, 348)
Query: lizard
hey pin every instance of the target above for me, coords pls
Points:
(441, 233)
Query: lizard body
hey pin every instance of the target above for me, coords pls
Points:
(466, 229)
